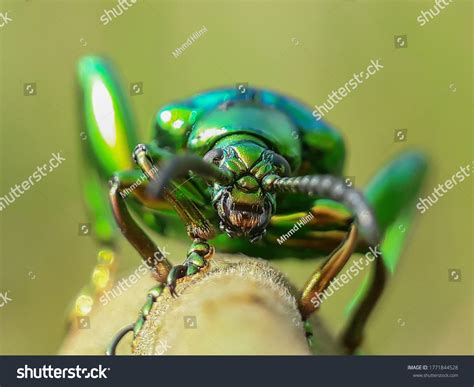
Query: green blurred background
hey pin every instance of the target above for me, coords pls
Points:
(303, 48)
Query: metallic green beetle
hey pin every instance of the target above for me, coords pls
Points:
(252, 163)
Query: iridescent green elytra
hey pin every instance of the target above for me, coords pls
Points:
(237, 171)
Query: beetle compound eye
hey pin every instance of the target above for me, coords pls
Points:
(282, 167)
(214, 156)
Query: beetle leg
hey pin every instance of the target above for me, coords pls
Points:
(315, 235)
(387, 201)
(112, 347)
(197, 226)
(308, 330)
(353, 334)
(150, 253)
(322, 277)
(197, 259)
(152, 296)
(103, 230)
(198, 255)
(392, 194)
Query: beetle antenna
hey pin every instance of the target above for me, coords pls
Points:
(181, 166)
(331, 187)
(334, 188)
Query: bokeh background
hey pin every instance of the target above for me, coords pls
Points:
(303, 48)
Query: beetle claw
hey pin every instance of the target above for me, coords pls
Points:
(172, 288)
(176, 272)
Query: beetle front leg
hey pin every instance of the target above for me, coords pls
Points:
(197, 226)
(197, 259)
(150, 253)
(199, 253)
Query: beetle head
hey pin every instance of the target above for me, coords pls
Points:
(244, 206)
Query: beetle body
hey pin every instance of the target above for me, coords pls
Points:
(239, 170)
(223, 117)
